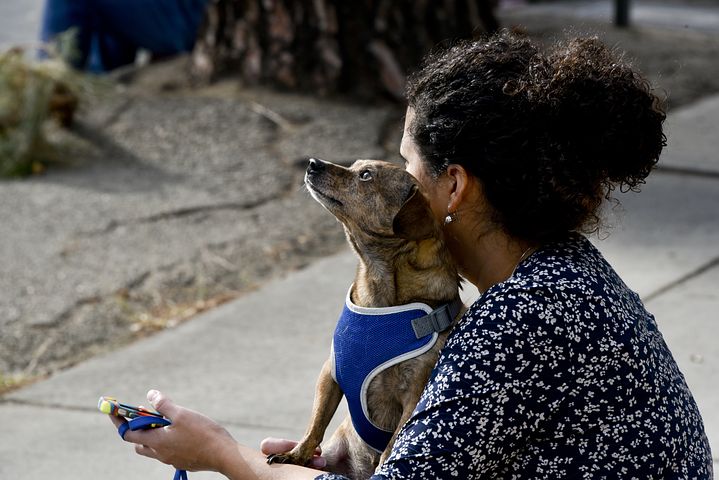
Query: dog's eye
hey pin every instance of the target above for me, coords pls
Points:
(365, 175)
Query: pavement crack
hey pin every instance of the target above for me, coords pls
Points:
(272, 116)
(136, 282)
(38, 353)
(683, 279)
(176, 214)
(47, 405)
(692, 172)
(66, 314)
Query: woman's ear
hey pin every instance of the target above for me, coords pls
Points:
(460, 184)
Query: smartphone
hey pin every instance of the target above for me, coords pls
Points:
(111, 406)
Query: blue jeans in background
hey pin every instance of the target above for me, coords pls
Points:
(109, 32)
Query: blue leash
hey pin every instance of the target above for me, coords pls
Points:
(143, 423)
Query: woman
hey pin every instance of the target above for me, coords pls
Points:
(557, 370)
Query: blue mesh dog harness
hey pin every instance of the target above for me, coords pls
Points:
(367, 341)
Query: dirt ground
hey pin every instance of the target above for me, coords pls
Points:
(180, 200)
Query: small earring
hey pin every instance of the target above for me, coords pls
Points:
(449, 218)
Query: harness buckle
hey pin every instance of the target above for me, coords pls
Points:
(438, 320)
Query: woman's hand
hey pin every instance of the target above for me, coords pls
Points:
(192, 442)
(272, 445)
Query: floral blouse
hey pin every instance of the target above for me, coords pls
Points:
(557, 372)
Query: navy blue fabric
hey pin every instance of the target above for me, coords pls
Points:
(111, 31)
(557, 372)
(362, 343)
(141, 423)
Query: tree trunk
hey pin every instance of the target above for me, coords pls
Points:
(326, 46)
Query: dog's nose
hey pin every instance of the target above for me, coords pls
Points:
(316, 165)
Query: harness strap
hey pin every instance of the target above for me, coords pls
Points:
(143, 423)
(438, 320)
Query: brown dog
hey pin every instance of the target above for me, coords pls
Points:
(403, 261)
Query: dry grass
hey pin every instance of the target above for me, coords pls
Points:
(8, 383)
(34, 94)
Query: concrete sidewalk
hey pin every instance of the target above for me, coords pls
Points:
(252, 363)
(667, 14)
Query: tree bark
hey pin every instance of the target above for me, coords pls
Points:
(357, 46)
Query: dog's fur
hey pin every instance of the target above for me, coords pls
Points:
(403, 259)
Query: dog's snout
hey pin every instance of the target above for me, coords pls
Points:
(316, 166)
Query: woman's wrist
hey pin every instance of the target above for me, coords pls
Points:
(239, 462)
(227, 453)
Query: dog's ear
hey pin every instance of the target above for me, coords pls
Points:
(414, 220)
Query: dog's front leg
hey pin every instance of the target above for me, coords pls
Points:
(327, 398)
(408, 408)
(408, 399)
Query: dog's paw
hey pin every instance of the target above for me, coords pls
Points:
(284, 458)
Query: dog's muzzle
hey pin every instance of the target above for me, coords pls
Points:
(316, 166)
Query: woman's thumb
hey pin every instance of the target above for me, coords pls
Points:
(161, 403)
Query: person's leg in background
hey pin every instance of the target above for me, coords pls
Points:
(111, 31)
(163, 27)
(61, 15)
(96, 50)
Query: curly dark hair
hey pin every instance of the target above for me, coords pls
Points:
(549, 135)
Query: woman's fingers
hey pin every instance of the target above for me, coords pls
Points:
(117, 421)
(145, 451)
(192, 442)
(159, 402)
(142, 437)
(162, 403)
(273, 445)
(130, 436)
